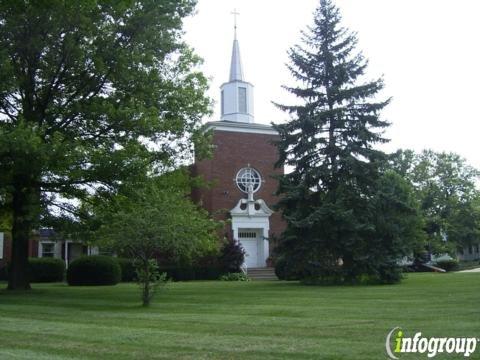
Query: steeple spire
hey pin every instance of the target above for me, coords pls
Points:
(236, 94)
(236, 72)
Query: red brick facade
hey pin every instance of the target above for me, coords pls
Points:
(7, 248)
(233, 151)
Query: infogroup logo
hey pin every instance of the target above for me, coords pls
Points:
(430, 346)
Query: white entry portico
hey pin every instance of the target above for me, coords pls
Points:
(250, 224)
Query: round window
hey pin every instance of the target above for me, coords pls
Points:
(246, 177)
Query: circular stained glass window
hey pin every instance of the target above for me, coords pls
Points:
(246, 177)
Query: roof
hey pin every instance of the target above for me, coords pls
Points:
(236, 126)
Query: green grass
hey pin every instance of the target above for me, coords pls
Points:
(235, 320)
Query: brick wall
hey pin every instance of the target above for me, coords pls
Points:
(7, 247)
(233, 151)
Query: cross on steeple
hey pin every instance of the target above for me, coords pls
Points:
(235, 13)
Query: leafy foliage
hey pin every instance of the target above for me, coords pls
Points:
(236, 276)
(149, 278)
(285, 269)
(449, 199)
(91, 93)
(128, 269)
(232, 256)
(4, 271)
(448, 265)
(94, 270)
(46, 269)
(397, 228)
(156, 220)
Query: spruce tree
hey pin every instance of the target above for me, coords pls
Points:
(329, 142)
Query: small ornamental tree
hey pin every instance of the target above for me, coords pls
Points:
(152, 221)
(329, 142)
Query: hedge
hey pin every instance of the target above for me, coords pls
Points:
(3, 272)
(94, 270)
(46, 269)
(40, 270)
(448, 265)
(128, 270)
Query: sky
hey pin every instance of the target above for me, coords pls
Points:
(428, 52)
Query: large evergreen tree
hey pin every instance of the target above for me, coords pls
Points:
(329, 142)
(86, 90)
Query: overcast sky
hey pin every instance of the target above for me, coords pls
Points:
(427, 50)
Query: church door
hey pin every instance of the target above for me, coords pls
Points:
(249, 238)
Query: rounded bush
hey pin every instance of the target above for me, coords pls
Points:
(46, 269)
(448, 264)
(128, 269)
(284, 269)
(94, 270)
(4, 272)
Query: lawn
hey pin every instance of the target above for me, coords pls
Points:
(235, 320)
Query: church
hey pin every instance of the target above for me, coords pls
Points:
(242, 170)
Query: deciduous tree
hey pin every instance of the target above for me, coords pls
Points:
(91, 92)
(446, 187)
(156, 221)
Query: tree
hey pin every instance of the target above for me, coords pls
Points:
(91, 92)
(397, 231)
(156, 221)
(446, 188)
(329, 143)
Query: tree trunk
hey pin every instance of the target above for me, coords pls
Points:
(25, 210)
(146, 284)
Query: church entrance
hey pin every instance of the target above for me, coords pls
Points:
(252, 243)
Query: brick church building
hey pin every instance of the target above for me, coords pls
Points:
(242, 170)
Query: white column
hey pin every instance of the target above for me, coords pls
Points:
(1, 245)
(65, 255)
(235, 231)
(266, 248)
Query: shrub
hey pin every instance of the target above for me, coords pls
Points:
(94, 270)
(46, 269)
(232, 257)
(284, 269)
(3, 272)
(448, 265)
(128, 269)
(238, 276)
(387, 275)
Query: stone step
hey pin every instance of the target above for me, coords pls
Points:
(262, 274)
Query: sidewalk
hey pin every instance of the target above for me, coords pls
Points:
(471, 270)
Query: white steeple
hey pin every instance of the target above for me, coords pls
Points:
(236, 94)
(236, 72)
